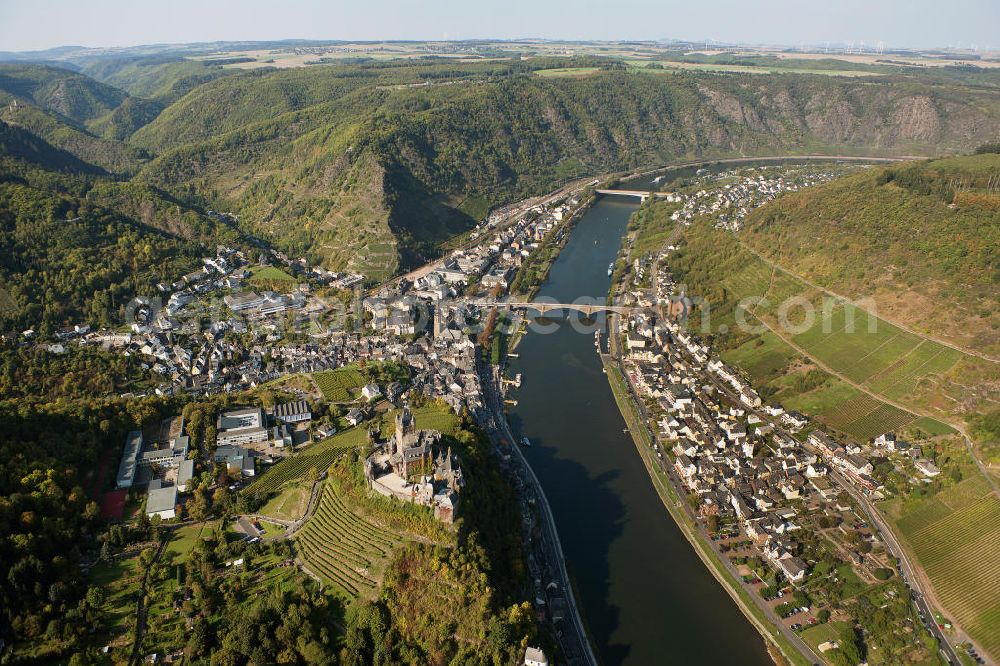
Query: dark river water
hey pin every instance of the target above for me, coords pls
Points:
(645, 595)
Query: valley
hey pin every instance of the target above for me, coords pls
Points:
(304, 284)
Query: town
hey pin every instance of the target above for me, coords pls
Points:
(730, 195)
(241, 326)
(225, 329)
(783, 504)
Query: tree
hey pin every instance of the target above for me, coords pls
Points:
(220, 498)
(146, 557)
(712, 523)
(95, 597)
(849, 651)
(198, 508)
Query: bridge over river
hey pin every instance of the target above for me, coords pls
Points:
(642, 195)
(543, 307)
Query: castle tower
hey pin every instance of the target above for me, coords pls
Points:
(404, 426)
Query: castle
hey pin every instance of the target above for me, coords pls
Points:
(411, 466)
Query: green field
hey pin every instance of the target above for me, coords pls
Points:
(344, 548)
(270, 274)
(822, 633)
(290, 504)
(933, 427)
(829, 395)
(183, 540)
(121, 580)
(567, 71)
(763, 358)
(955, 535)
(340, 385)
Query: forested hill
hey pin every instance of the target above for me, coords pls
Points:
(307, 177)
(921, 239)
(75, 113)
(76, 246)
(370, 166)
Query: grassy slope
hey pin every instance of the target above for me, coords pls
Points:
(901, 236)
(887, 361)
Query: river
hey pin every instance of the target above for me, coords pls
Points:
(646, 597)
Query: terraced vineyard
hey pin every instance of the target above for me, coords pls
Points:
(883, 418)
(956, 537)
(337, 385)
(865, 349)
(320, 456)
(344, 548)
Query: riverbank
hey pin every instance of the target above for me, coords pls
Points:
(666, 489)
(553, 245)
(670, 490)
(643, 593)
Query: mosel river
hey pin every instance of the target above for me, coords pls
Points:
(646, 597)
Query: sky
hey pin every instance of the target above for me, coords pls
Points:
(40, 24)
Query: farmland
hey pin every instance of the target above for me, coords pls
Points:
(864, 417)
(956, 537)
(567, 71)
(344, 548)
(340, 385)
(865, 349)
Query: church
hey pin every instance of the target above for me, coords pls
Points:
(413, 466)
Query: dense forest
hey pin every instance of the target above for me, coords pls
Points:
(49, 518)
(371, 165)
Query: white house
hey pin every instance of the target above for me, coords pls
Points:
(927, 468)
(161, 501)
(535, 657)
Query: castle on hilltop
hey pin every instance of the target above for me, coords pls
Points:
(412, 466)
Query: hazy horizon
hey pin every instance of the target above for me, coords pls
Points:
(46, 24)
